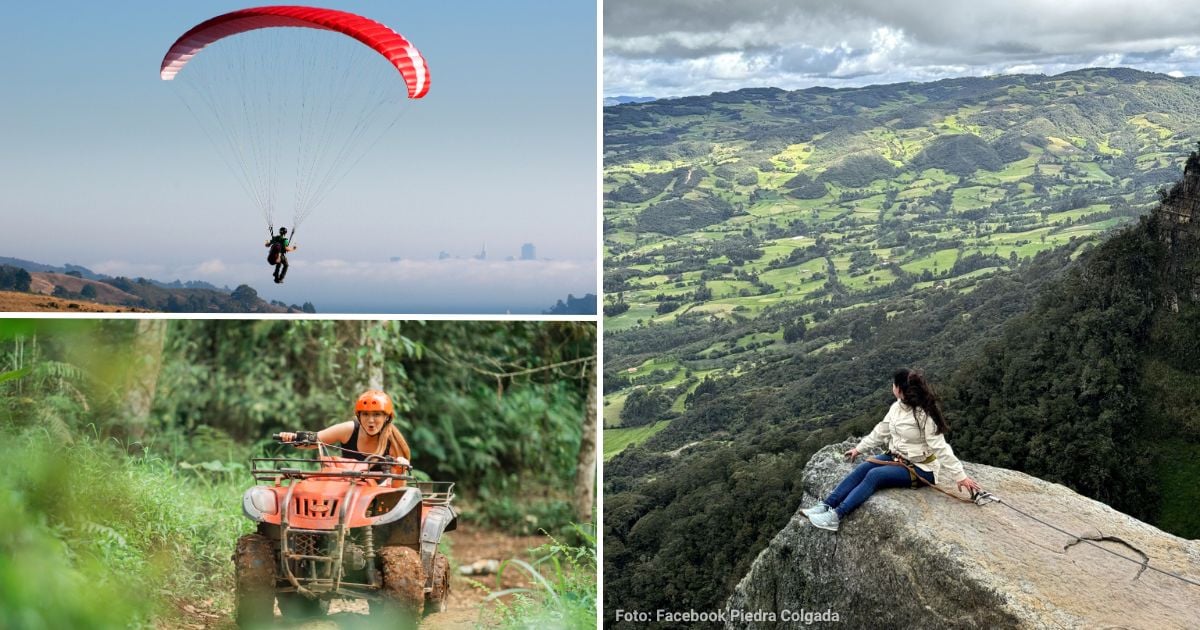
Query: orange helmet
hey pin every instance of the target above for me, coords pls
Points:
(374, 400)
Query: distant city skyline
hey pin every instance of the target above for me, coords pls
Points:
(528, 251)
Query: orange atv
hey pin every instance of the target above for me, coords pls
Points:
(333, 527)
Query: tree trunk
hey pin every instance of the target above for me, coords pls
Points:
(585, 473)
(362, 343)
(141, 374)
(375, 334)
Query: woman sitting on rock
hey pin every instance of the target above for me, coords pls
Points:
(914, 426)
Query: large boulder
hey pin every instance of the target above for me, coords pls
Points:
(917, 558)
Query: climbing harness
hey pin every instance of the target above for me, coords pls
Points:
(916, 479)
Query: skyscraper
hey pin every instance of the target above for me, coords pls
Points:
(528, 252)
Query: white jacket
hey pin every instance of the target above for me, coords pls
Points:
(902, 429)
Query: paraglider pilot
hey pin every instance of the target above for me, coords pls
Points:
(278, 254)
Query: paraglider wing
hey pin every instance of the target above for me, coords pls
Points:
(394, 47)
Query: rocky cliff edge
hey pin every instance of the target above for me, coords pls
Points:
(917, 558)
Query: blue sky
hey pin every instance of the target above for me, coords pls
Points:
(102, 166)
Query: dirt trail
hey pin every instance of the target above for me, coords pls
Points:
(465, 608)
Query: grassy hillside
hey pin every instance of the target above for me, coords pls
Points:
(784, 207)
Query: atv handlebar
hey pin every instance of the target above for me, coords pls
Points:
(303, 438)
(309, 438)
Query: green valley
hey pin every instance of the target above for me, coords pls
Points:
(767, 209)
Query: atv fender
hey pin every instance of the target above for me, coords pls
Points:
(437, 520)
(410, 500)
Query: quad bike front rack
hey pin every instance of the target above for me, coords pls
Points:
(336, 557)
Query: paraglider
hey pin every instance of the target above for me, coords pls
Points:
(293, 97)
(280, 246)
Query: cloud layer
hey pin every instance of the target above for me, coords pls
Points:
(678, 47)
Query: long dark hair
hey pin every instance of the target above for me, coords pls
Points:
(915, 392)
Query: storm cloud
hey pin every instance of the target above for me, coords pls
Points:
(677, 47)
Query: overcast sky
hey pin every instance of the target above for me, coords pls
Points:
(681, 47)
(101, 166)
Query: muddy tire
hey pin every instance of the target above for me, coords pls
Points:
(297, 606)
(403, 587)
(435, 600)
(254, 566)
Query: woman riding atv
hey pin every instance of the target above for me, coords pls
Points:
(373, 412)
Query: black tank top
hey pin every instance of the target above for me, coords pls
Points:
(352, 443)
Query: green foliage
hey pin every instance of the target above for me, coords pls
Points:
(92, 537)
(172, 299)
(804, 187)
(616, 308)
(692, 534)
(565, 592)
(794, 331)
(858, 170)
(645, 405)
(251, 379)
(14, 279)
(680, 215)
(1073, 370)
(520, 516)
(961, 154)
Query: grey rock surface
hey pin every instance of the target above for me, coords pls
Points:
(919, 559)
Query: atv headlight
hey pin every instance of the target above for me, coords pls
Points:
(259, 501)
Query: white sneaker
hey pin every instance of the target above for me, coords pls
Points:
(825, 520)
(814, 510)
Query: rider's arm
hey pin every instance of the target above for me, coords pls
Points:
(336, 434)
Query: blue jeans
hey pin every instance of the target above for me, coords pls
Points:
(865, 480)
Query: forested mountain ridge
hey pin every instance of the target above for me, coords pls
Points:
(1074, 363)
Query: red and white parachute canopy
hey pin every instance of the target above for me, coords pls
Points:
(290, 99)
(393, 46)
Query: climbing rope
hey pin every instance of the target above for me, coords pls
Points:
(1145, 564)
(983, 497)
